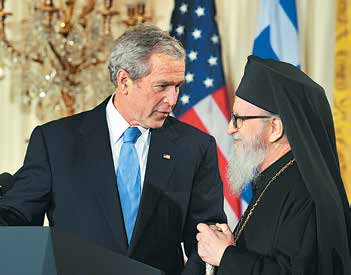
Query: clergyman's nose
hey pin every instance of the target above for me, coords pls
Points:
(231, 130)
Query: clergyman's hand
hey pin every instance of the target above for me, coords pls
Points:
(212, 243)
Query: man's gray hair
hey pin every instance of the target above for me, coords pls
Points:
(133, 49)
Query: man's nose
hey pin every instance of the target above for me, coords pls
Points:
(172, 96)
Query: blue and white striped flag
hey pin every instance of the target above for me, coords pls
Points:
(277, 31)
(276, 38)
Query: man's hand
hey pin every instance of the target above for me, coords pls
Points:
(212, 243)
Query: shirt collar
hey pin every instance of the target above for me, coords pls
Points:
(117, 124)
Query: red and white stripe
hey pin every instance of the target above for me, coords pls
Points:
(211, 115)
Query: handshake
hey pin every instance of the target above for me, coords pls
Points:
(213, 240)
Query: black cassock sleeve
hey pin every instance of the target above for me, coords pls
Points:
(295, 248)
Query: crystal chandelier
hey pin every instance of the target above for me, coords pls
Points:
(59, 64)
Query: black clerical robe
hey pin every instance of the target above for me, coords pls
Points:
(280, 236)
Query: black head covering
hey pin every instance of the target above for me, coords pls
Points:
(283, 89)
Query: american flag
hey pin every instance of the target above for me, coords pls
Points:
(277, 38)
(203, 100)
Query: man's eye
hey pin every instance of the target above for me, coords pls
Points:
(162, 86)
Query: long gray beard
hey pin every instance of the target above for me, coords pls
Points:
(244, 162)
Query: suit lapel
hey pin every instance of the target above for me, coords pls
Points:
(160, 163)
(99, 168)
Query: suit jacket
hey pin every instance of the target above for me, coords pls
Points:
(69, 173)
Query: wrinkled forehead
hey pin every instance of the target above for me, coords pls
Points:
(166, 64)
(243, 107)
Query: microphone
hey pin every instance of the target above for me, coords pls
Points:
(6, 183)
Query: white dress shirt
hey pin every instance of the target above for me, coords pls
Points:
(116, 127)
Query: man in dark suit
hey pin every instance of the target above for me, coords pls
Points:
(126, 175)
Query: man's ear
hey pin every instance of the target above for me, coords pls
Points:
(276, 129)
(122, 80)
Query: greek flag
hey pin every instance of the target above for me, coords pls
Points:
(277, 31)
(276, 38)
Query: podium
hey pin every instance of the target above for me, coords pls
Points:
(46, 251)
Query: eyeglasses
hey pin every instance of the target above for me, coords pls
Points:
(238, 120)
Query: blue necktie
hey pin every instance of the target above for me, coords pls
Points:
(128, 179)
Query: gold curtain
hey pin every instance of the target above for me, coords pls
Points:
(342, 90)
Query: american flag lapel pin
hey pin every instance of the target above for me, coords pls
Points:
(166, 156)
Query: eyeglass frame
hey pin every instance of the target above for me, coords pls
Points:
(235, 119)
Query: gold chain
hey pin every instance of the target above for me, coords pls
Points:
(241, 225)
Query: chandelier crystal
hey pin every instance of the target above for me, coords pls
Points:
(59, 65)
